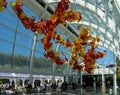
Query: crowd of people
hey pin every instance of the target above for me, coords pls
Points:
(58, 86)
(7, 89)
(54, 87)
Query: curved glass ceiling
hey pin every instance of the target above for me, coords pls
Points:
(102, 15)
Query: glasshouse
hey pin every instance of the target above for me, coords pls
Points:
(60, 47)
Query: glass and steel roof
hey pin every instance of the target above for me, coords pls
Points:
(102, 15)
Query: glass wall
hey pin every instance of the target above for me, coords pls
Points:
(15, 42)
(16, 45)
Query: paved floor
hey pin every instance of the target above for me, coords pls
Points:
(87, 91)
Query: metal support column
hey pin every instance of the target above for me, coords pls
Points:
(103, 81)
(115, 79)
(54, 66)
(77, 77)
(81, 76)
(67, 73)
(31, 60)
(115, 83)
(53, 76)
(13, 50)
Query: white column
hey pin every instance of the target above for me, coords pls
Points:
(81, 75)
(31, 60)
(103, 81)
(81, 82)
(42, 81)
(54, 66)
(23, 82)
(10, 79)
(77, 77)
(115, 76)
(67, 73)
(115, 84)
(15, 81)
(53, 76)
(33, 82)
(67, 78)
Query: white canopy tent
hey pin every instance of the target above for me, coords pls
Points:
(20, 75)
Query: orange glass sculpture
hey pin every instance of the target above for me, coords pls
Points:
(3, 4)
(63, 14)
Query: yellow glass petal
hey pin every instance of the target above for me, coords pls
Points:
(1, 9)
(12, 3)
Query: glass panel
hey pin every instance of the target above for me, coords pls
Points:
(5, 54)
(91, 2)
(22, 51)
(25, 31)
(6, 47)
(77, 7)
(109, 35)
(39, 47)
(41, 64)
(6, 34)
(108, 59)
(61, 69)
(90, 6)
(24, 40)
(107, 42)
(115, 42)
(21, 62)
(9, 19)
(85, 17)
(21, 58)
